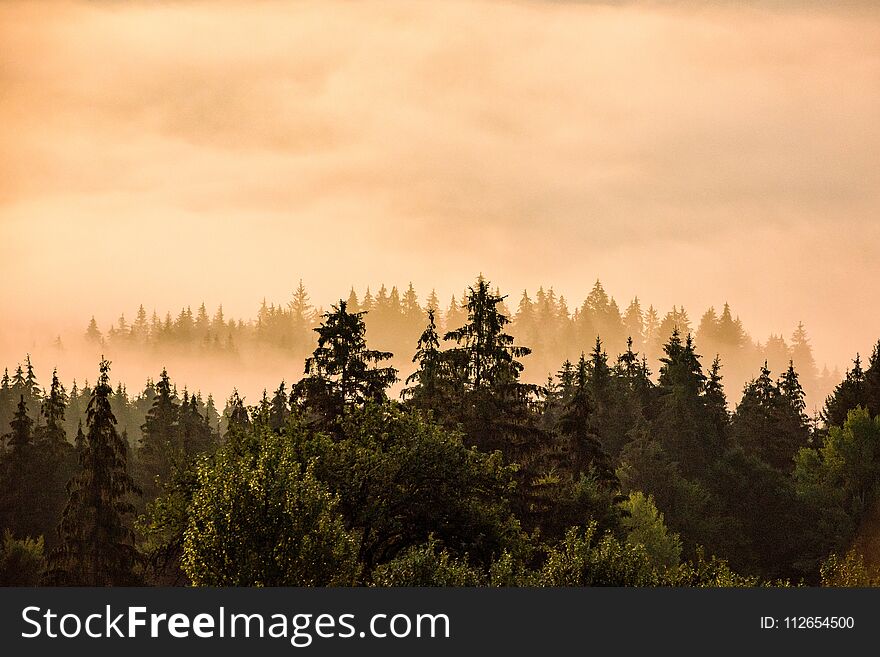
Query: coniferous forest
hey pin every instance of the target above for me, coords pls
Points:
(477, 442)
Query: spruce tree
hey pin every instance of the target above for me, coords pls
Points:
(496, 412)
(21, 434)
(160, 438)
(793, 424)
(682, 423)
(576, 424)
(715, 399)
(342, 371)
(848, 394)
(432, 385)
(489, 355)
(96, 541)
(53, 410)
(753, 425)
(280, 409)
(238, 419)
(93, 333)
(770, 422)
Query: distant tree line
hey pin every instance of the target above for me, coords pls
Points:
(605, 474)
(544, 320)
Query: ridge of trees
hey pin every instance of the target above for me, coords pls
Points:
(603, 475)
(543, 320)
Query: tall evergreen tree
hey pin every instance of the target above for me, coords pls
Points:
(487, 353)
(342, 371)
(160, 437)
(716, 400)
(682, 423)
(847, 395)
(96, 541)
(21, 434)
(575, 425)
(53, 410)
(237, 417)
(431, 386)
(496, 411)
(93, 333)
(280, 409)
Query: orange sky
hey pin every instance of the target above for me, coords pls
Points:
(166, 153)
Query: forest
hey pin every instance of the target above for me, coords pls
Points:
(543, 320)
(413, 449)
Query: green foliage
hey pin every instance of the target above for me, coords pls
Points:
(434, 384)
(849, 394)
(577, 425)
(476, 478)
(847, 571)
(838, 483)
(644, 525)
(494, 408)
(401, 479)
(424, 565)
(710, 573)
(585, 559)
(770, 421)
(342, 372)
(262, 518)
(96, 541)
(22, 561)
(849, 460)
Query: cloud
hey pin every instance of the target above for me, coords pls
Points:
(687, 153)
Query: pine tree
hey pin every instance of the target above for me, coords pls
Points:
(802, 357)
(238, 419)
(18, 383)
(633, 324)
(32, 388)
(433, 301)
(212, 416)
(195, 436)
(353, 303)
(455, 315)
(367, 305)
(495, 412)
(488, 353)
(160, 438)
(96, 541)
(342, 371)
(203, 323)
(280, 409)
(715, 399)
(754, 423)
(6, 401)
(793, 424)
(53, 410)
(432, 384)
(848, 394)
(652, 334)
(682, 424)
(576, 424)
(730, 333)
(412, 311)
(302, 315)
(22, 428)
(770, 422)
(93, 333)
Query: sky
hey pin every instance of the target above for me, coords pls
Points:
(168, 153)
